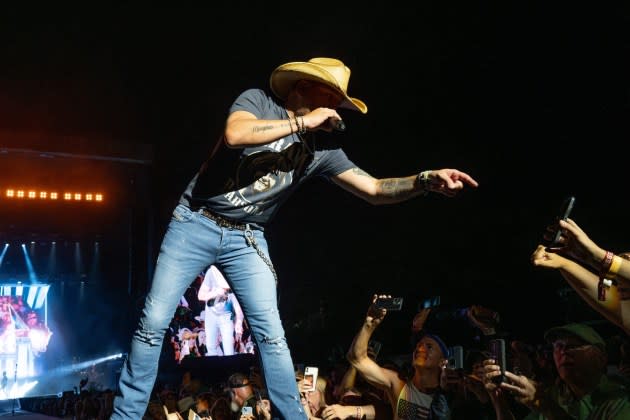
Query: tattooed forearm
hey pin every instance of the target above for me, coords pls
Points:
(258, 129)
(267, 127)
(398, 188)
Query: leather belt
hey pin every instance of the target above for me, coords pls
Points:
(223, 222)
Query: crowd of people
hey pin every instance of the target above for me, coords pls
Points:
(572, 371)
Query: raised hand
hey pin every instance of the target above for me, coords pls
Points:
(375, 315)
(576, 243)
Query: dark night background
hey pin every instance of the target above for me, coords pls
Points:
(530, 99)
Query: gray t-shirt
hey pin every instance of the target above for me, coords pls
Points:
(250, 184)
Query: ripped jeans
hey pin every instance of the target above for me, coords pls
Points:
(191, 244)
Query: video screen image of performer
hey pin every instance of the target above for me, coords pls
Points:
(209, 320)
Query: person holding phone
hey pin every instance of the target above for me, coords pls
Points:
(242, 396)
(600, 278)
(271, 145)
(584, 389)
(420, 396)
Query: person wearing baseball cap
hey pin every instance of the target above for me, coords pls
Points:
(583, 389)
(270, 145)
(420, 396)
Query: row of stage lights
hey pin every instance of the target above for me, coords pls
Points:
(52, 195)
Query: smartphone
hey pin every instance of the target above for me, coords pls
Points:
(431, 302)
(456, 359)
(247, 411)
(310, 378)
(565, 212)
(496, 348)
(391, 304)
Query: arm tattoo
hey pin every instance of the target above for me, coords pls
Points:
(399, 188)
(269, 127)
(262, 128)
(361, 172)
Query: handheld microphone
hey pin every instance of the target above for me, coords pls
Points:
(339, 125)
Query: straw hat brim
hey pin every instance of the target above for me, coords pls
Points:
(284, 77)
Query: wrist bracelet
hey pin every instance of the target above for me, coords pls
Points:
(615, 265)
(423, 179)
(606, 263)
(301, 128)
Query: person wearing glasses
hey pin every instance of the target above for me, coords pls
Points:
(582, 390)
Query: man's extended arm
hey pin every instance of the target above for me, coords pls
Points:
(395, 190)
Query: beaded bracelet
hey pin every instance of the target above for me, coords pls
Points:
(302, 128)
(291, 124)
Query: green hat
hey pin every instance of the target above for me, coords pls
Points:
(581, 331)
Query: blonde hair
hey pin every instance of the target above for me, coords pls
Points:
(320, 385)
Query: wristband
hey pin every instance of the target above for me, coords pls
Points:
(606, 263)
(615, 265)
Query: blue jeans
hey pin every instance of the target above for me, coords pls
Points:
(191, 244)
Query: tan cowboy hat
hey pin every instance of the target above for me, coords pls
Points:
(329, 71)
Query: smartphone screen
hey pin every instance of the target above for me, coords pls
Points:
(456, 359)
(391, 304)
(310, 378)
(247, 411)
(431, 302)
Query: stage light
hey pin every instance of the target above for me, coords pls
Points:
(4, 251)
(34, 194)
(29, 266)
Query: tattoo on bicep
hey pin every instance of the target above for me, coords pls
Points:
(361, 172)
